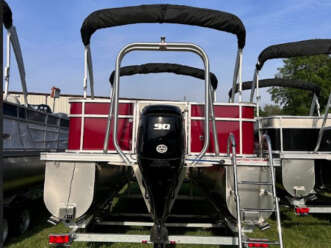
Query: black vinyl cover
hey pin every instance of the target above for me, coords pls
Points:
(295, 49)
(163, 13)
(7, 15)
(277, 82)
(164, 67)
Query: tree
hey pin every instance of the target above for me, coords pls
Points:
(270, 109)
(315, 69)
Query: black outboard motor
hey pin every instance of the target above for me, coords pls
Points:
(160, 153)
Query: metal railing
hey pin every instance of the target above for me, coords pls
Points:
(321, 131)
(232, 142)
(161, 46)
(266, 139)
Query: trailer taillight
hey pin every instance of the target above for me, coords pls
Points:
(59, 239)
(144, 241)
(302, 211)
(257, 245)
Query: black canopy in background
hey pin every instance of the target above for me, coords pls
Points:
(7, 15)
(277, 82)
(164, 67)
(163, 13)
(4, 9)
(295, 49)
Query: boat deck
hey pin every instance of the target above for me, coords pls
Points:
(115, 159)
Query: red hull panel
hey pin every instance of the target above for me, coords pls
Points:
(248, 137)
(103, 108)
(220, 111)
(75, 108)
(224, 128)
(95, 131)
(74, 133)
(95, 126)
(95, 121)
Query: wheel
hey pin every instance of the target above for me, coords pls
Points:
(4, 230)
(21, 222)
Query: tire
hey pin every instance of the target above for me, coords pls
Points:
(21, 222)
(4, 230)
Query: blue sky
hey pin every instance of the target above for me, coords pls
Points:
(49, 33)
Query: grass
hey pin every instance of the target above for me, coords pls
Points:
(298, 232)
(301, 231)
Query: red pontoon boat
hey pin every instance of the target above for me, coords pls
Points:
(160, 141)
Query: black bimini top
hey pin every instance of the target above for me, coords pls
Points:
(164, 67)
(295, 49)
(7, 15)
(163, 13)
(277, 82)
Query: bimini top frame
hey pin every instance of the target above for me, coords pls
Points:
(161, 13)
(12, 39)
(288, 83)
(296, 84)
(288, 50)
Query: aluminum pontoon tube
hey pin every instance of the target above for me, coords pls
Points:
(83, 188)
(22, 170)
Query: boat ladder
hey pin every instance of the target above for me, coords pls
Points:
(243, 241)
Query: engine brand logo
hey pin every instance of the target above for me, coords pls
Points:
(161, 148)
(161, 126)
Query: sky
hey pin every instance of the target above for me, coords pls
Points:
(49, 34)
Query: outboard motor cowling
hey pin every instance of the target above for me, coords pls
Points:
(160, 153)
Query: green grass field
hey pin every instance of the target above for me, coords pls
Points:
(298, 232)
